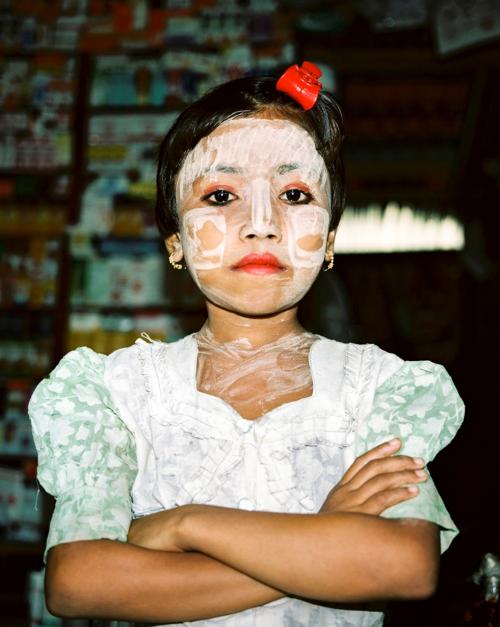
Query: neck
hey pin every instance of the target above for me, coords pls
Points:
(228, 326)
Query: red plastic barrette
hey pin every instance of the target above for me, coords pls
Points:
(301, 83)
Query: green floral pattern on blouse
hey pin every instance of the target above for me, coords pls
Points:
(86, 455)
(420, 405)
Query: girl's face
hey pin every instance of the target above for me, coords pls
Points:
(253, 202)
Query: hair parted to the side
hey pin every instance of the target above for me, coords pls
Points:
(247, 97)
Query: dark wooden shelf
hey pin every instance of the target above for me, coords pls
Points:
(132, 109)
(28, 376)
(27, 236)
(27, 309)
(52, 171)
(410, 60)
(165, 308)
(6, 458)
(15, 548)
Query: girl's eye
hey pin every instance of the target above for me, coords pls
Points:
(296, 196)
(219, 197)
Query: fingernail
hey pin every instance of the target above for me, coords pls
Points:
(412, 488)
(421, 473)
(419, 461)
(393, 442)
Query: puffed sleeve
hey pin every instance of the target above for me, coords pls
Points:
(419, 404)
(86, 454)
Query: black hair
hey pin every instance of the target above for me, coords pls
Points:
(247, 97)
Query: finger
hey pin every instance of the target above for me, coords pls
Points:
(382, 450)
(389, 481)
(381, 501)
(383, 466)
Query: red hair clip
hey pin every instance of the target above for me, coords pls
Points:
(301, 83)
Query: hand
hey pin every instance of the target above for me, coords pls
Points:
(376, 481)
(158, 531)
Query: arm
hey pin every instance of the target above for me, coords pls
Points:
(87, 460)
(376, 557)
(302, 553)
(111, 580)
(341, 557)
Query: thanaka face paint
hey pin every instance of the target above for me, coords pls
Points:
(254, 187)
(206, 234)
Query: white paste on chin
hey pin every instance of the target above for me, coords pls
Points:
(303, 221)
(198, 255)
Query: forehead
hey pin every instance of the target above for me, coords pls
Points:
(252, 145)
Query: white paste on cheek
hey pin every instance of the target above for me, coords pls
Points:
(307, 233)
(204, 238)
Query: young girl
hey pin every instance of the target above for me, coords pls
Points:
(274, 477)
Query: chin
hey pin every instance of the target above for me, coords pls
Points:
(256, 307)
(255, 296)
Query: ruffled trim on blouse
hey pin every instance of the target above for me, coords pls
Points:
(177, 415)
(86, 455)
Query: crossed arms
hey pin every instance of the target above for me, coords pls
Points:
(199, 561)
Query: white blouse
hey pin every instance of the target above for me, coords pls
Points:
(139, 435)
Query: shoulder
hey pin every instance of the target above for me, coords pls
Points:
(141, 378)
(131, 357)
(363, 364)
(418, 403)
(76, 424)
(77, 379)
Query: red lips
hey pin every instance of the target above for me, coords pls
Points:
(260, 264)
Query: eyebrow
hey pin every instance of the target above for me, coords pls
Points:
(228, 169)
(288, 167)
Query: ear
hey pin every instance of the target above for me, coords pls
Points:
(329, 245)
(174, 247)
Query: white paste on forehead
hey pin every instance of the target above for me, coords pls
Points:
(252, 145)
(310, 220)
(204, 255)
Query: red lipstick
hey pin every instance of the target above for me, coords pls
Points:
(259, 264)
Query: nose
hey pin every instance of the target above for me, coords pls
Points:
(262, 221)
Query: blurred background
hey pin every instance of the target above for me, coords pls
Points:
(88, 88)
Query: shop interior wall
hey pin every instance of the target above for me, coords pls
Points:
(436, 305)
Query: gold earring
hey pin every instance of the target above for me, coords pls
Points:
(173, 263)
(330, 262)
